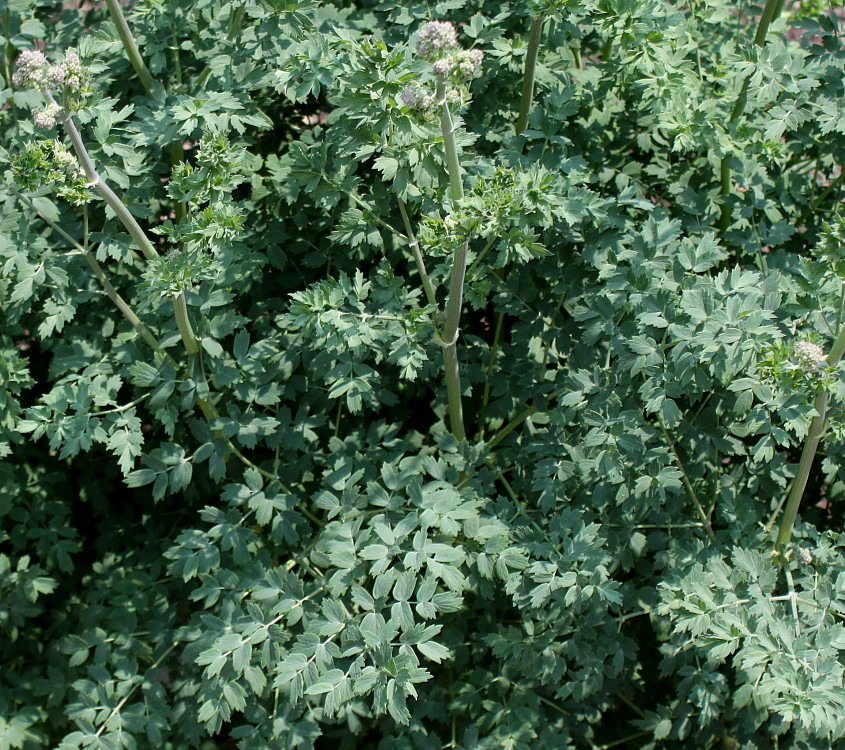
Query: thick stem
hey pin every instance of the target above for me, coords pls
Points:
(449, 341)
(534, 37)
(183, 323)
(808, 454)
(415, 248)
(129, 45)
(448, 337)
(453, 391)
(447, 129)
(8, 56)
(771, 11)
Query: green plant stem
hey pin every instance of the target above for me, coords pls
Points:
(8, 54)
(808, 454)
(111, 292)
(129, 45)
(235, 20)
(494, 349)
(180, 308)
(448, 336)
(430, 294)
(183, 323)
(131, 692)
(534, 37)
(104, 191)
(447, 130)
(686, 480)
(511, 426)
(771, 11)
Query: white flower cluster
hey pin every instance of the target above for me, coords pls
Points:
(435, 39)
(34, 71)
(463, 64)
(415, 96)
(47, 117)
(437, 42)
(69, 72)
(809, 355)
(31, 71)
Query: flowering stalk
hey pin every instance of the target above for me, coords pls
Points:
(448, 337)
(437, 42)
(73, 80)
(534, 37)
(811, 442)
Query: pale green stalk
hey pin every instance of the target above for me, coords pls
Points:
(771, 11)
(808, 454)
(534, 37)
(180, 307)
(448, 336)
(690, 490)
(130, 45)
(418, 258)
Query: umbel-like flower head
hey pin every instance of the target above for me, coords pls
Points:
(46, 118)
(70, 80)
(31, 72)
(437, 42)
(809, 355)
(436, 39)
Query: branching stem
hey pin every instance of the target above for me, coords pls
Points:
(686, 480)
(110, 291)
(418, 258)
(808, 454)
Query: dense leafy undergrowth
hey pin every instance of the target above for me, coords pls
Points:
(421, 375)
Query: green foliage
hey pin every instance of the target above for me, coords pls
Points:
(271, 539)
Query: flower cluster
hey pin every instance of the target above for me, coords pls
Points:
(462, 64)
(70, 77)
(46, 118)
(31, 72)
(810, 356)
(415, 96)
(436, 39)
(437, 42)
(69, 73)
